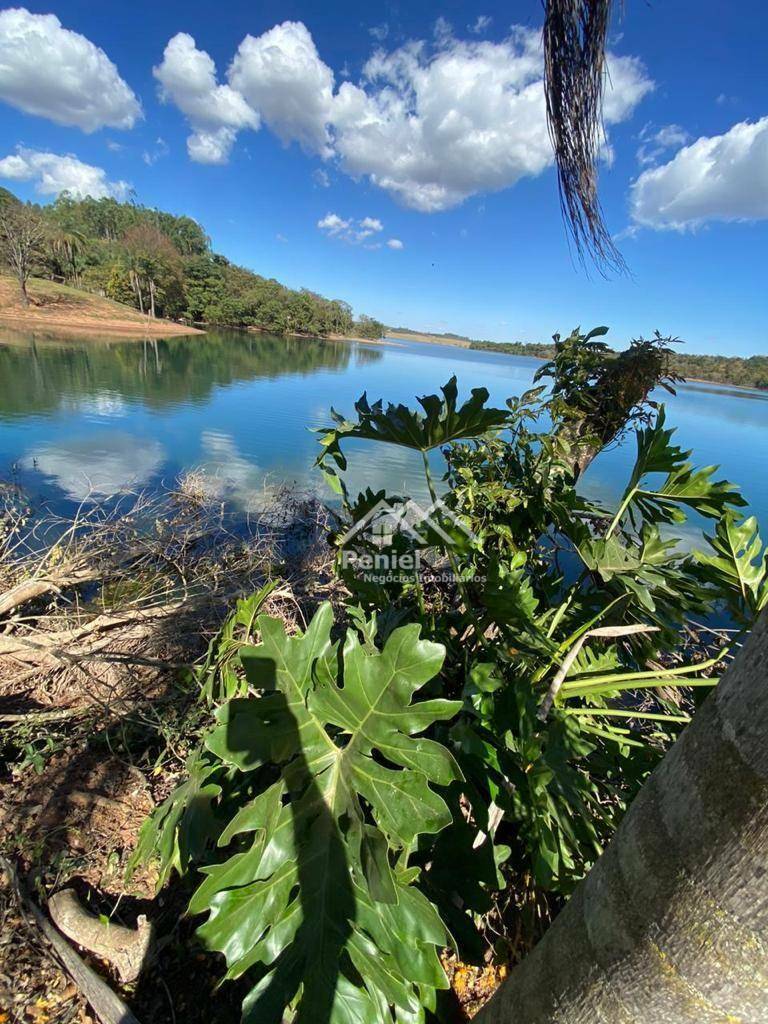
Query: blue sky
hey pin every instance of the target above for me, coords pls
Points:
(396, 156)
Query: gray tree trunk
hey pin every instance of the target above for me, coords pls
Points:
(671, 925)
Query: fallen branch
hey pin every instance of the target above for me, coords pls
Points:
(124, 948)
(107, 1005)
(29, 590)
(55, 644)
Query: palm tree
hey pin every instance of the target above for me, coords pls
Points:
(66, 245)
(671, 925)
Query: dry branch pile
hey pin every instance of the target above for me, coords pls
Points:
(102, 619)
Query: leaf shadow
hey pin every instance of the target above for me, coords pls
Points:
(313, 959)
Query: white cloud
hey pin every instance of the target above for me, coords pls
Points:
(371, 224)
(435, 129)
(431, 123)
(350, 230)
(49, 71)
(187, 78)
(481, 25)
(379, 32)
(151, 156)
(280, 74)
(722, 177)
(395, 243)
(53, 174)
(321, 178)
(333, 224)
(656, 143)
(442, 31)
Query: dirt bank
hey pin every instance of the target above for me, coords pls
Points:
(57, 308)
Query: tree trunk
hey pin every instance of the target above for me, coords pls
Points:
(671, 925)
(152, 298)
(23, 290)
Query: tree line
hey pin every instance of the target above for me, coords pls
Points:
(751, 372)
(159, 263)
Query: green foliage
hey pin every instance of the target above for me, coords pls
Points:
(346, 830)
(367, 327)
(738, 566)
(440, 423)
(751, 372)
(147, 257)
(333, 787)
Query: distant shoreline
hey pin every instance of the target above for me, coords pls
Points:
(429, 339)
(500, 349)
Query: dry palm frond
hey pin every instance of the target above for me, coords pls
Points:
(574, 73)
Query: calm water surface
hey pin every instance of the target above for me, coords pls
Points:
(82, 418)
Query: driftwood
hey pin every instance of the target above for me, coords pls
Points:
(42, 646)
(29, 590)
(107, 1005)
(124, 948)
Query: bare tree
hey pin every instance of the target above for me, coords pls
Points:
(22, 242)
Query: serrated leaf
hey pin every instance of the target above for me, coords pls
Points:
(343, 732)
(737, 564)
(440, 423)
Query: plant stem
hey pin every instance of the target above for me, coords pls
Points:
(616, 713)
(620, 677)
(452, 558)
(622, 509)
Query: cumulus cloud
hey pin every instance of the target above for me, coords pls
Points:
(333, 224)
(187, 78)
(52, 72)
(395, 243)
(371, 225)
(432, 123)
(350, 230)
(655, 143)
(717, 178)
(281, 75)
(53, 173)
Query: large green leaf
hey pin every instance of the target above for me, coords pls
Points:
(737, 564)
(440, 423)
(683, 485)
(321, 897)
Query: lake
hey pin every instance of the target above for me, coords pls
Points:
(80, 419)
